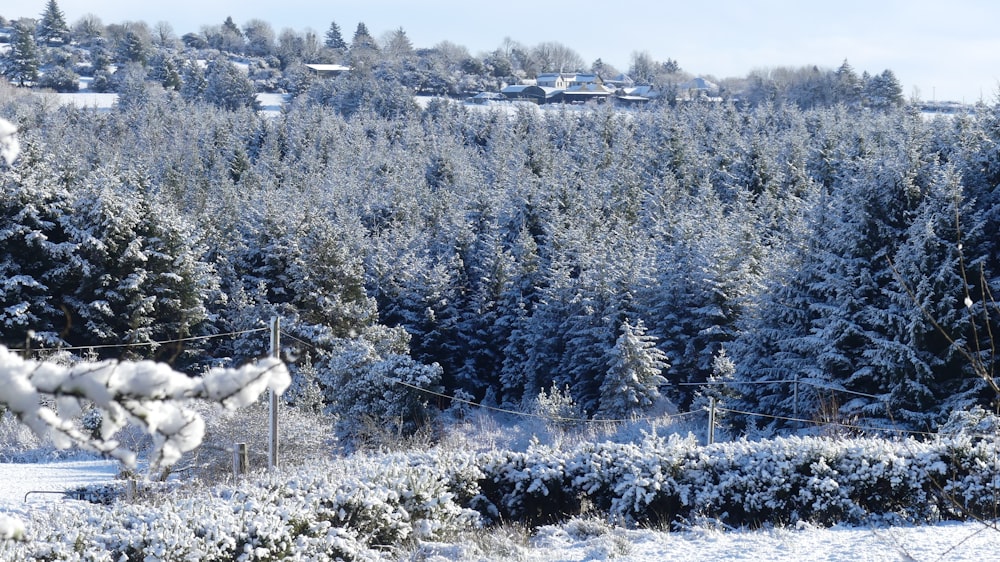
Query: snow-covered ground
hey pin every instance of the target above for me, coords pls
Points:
(949, 541)
(18, 480)
(269, 103)
(593, 540)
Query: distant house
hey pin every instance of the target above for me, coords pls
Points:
(328, 69)
(620, 81)
(698, 87)
(532, 93)
(486, 97)
(636, 94)
(552, 80)
(585, 92)
(582, 79)
(578, 88)
(564, 80)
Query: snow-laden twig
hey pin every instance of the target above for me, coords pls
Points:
(148, 394)
(9, 146)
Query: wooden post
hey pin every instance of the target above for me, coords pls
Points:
(27, 344)
(711, 420)
(795, 402)
(241, 460)
(272, 426)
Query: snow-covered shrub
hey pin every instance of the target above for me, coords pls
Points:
(818, 480)
(975, 422)
(531, 486)
(891, 480)
(634, 483)
(16, 439)
(303, 437)
(60, 79)
(557, 407)
(358, 508)
(368, 389)
(969, 486)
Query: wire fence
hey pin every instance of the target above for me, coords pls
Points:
(151, 343)
(527, 413)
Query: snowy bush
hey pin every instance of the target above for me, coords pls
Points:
(17, 441)
(557, 408)
(975, 422)
(356, 509)
(634, 482)
(377, 506)
(371, 390)
(969, 486)
(303, 437)
(777, 482)
(531, 486)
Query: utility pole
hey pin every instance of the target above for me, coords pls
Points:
(711, 420)
(272, 397)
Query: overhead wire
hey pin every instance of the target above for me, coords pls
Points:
(519, 413)
(140, 344)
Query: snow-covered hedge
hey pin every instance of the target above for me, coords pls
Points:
(374, 506)
(358, 509)
(820, 480)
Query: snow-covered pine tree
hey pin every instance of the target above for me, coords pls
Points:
(333, 38)
(871, 216)
(137, 276)
(382, 390)
(228, 87)
(20, 64)
(929, 354)
(635, 374)
(52, 28)
(775, 339)
(36, 250)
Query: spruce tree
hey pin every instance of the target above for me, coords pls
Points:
(334, 39)
(35, 250)
(21, 63)
(227, 87)
(52, 28)
(635, 374)
(928, 351)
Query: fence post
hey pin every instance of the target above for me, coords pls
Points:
(241, 460)
(27, 344)
(272, 426)
(711, 420)
(795, 402)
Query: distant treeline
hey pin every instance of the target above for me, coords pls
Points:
(49, 52)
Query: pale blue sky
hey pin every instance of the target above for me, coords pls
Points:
(939, 50)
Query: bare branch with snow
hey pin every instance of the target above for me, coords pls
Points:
(148, 394)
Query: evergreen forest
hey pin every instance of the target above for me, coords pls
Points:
(793, 261)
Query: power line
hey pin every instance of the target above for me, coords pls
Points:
(141, 344)
(807, 382)
(532, 414)
(818, 422)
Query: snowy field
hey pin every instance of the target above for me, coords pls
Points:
(950, 541)
(269, 103)
(20, 479)
(581, 540)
